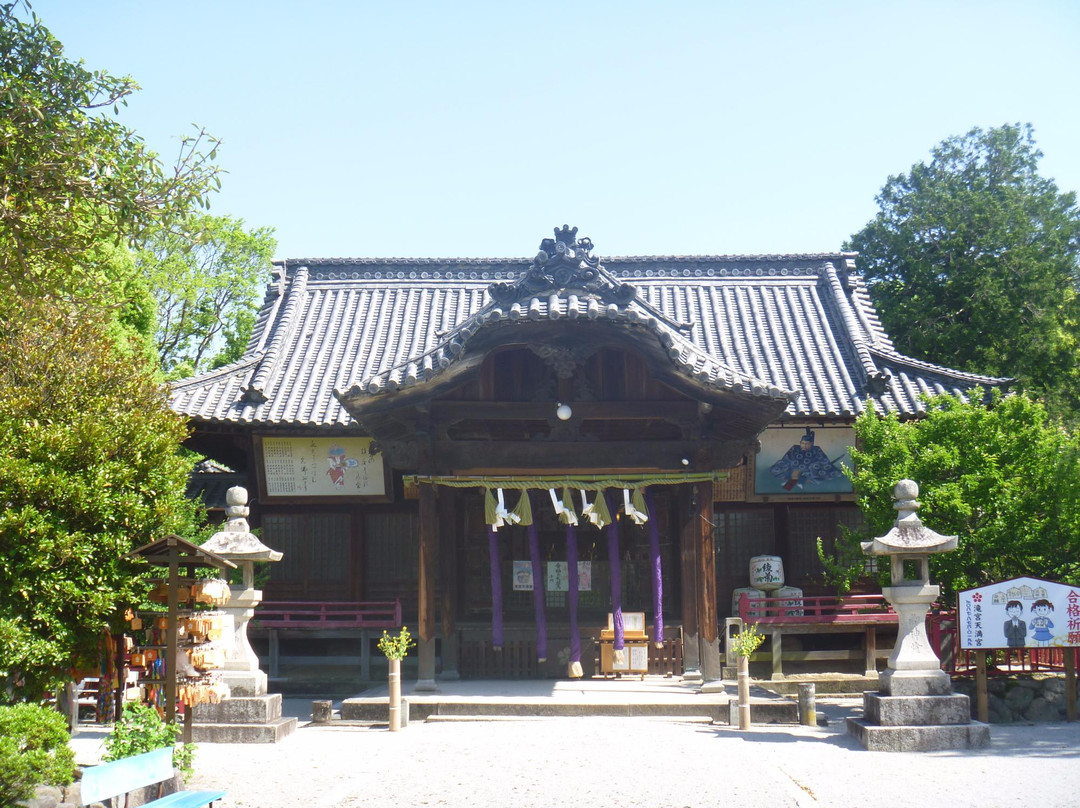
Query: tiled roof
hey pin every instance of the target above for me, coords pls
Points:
(799, 326)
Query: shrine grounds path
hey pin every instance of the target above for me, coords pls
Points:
(582, 762)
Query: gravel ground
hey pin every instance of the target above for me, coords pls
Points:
(627, 762)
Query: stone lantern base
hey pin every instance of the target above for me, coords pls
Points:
(917, 724)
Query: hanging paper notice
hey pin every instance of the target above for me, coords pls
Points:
(558, 579)
(523, 577)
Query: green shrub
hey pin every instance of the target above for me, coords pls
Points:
(33, 751)
(142, 730)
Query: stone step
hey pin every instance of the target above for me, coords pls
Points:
(270, 732)
(919, 739)
(241, 710)
(914, 711)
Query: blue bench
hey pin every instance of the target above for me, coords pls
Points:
(118, 777)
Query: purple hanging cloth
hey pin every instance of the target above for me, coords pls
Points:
(496, 591)
(616, 574)
(572, 596)
(657, 572)
(538, 589)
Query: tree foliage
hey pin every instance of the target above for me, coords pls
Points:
(999, 473)
(207, 291)
(973, 261)
(72, 177)
(89, 470)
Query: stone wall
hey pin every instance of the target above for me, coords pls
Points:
(1031, 698)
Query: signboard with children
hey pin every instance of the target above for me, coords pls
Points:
(1019, 613)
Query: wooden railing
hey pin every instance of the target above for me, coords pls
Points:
(327, 615)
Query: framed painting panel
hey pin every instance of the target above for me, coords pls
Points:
(803, 463)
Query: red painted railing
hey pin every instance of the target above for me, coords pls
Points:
(795, 610)
(327, 615)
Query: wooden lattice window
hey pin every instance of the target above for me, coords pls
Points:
(316, 552)
(392, 558)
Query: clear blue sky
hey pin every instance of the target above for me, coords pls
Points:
(470, 129)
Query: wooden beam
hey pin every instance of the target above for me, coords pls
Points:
(569, 455)
(444, 412)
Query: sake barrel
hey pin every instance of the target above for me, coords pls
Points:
(752, 594)
(792, 603)
(766, 572)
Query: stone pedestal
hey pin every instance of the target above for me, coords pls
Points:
(917, 723)
(242, 719)
(916, 711)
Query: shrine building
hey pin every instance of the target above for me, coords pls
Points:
(516, 449)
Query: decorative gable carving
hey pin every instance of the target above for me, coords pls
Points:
(564, 263)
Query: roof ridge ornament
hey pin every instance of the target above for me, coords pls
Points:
(564, 262)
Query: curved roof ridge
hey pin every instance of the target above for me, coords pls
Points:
(850, 322)
(892, 355)
(255, 391)
(243, 363)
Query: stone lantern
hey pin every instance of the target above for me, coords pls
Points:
(914, 668)
(238, 544)
(915, 708)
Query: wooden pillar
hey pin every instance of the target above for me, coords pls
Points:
(449, 521)
(706, 560)
(171, 644)
(688, 550)
(981, 700)
(429, 561)
(1070, 684)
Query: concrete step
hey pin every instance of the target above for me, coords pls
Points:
(762, 710)
(270, 732)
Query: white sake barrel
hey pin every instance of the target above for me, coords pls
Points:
(792, 603)
(766, 572)
(752, 594)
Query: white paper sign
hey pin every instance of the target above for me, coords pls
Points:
(558, 579)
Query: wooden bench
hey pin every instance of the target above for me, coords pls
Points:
(119, 777)
(819, 615)
(325, 619)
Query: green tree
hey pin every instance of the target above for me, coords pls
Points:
(72, 177)
(207, 284)
(973, 261)
(89, 469)
(999, 473)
